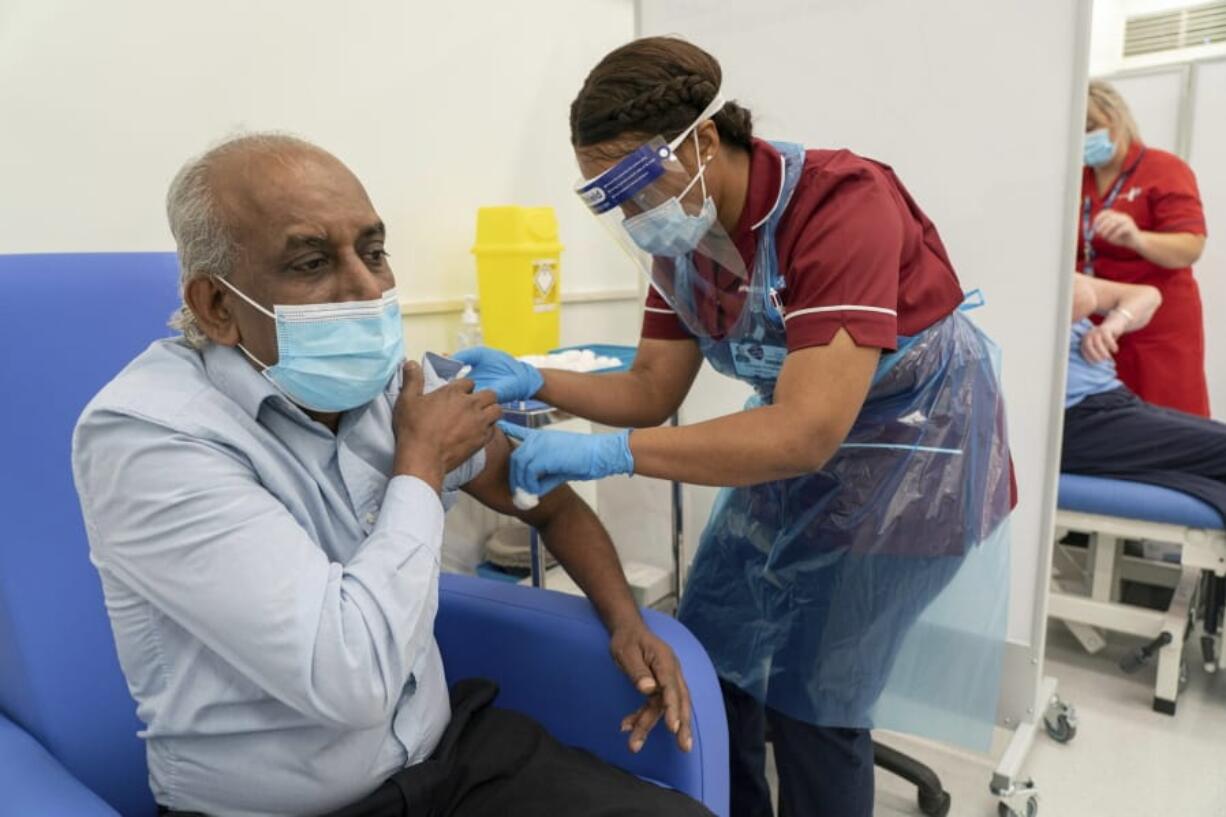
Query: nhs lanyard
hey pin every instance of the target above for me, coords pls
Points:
(1087, 227)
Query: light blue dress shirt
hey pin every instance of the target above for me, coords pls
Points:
(272, 593)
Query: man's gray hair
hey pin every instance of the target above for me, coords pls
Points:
(205, 242)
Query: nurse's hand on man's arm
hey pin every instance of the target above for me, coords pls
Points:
(502, 374)
(543, 460)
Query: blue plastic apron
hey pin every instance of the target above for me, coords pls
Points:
(874, 592)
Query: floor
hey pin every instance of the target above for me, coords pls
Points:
(1125, 761)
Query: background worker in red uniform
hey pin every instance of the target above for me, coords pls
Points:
(1142, 223)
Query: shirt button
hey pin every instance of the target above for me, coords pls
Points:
(371, 516)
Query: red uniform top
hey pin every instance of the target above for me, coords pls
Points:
(855, 252)
(1163, 363)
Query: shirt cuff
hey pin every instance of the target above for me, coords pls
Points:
(411, 510)
(869, 329)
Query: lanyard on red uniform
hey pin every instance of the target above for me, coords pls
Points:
(1087, 227)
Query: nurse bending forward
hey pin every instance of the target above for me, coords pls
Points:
(854, 570)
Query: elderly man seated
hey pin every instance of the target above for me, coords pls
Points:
(264, 499)
(1108, 430)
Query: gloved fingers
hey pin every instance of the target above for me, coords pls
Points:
(549, 484)
(515, 431)
(524, 471)
(473, 356)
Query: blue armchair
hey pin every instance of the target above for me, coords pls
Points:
(68, 728)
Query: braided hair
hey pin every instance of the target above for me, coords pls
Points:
(656, 85)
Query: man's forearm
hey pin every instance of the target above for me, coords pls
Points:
(575, 536)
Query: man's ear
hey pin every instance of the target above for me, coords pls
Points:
(208, 302)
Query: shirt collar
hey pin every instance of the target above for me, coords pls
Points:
(765, 188)
(237, 379)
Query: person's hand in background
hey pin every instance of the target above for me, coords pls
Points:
(1118, 228)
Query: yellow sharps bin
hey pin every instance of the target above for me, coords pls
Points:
(519, 278)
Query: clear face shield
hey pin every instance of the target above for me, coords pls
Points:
(664, 218)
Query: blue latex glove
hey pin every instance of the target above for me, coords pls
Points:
(546, 459)
(502, 374)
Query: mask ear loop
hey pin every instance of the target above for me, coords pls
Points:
(701, 176)
(264, 366)
(240, 294)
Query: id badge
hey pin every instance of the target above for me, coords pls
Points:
(758, 361)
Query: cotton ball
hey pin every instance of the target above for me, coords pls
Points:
(524, 500)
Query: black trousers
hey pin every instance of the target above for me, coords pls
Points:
(495, 763)
(823, 771)
(1119, 435)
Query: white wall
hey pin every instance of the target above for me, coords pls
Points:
(438, 107)
(982, 134)
(1207, 156)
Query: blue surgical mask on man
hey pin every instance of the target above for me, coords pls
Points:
(1099, 149)
(333, 356)
(667, 230)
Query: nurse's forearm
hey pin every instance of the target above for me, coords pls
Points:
(1170, 250)
(647, 395)
(622, 399)
(758, 445)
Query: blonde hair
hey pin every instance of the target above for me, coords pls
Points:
(1114, 109)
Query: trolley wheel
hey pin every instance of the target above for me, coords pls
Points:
(1060, 720)
(1062, 731)
(1032, 809)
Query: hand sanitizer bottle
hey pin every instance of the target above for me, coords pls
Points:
(470, 325)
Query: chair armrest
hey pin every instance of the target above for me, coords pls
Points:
(34, 782)
(549, 654)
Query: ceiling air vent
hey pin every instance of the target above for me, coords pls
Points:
(1173, 30)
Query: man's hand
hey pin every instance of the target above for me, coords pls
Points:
(437, 432)
(655, 672)
(1102, 342)
(1118, 228)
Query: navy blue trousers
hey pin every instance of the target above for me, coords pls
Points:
(823, 771)
(1118, 435)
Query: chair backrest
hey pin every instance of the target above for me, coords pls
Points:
(68, 324)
